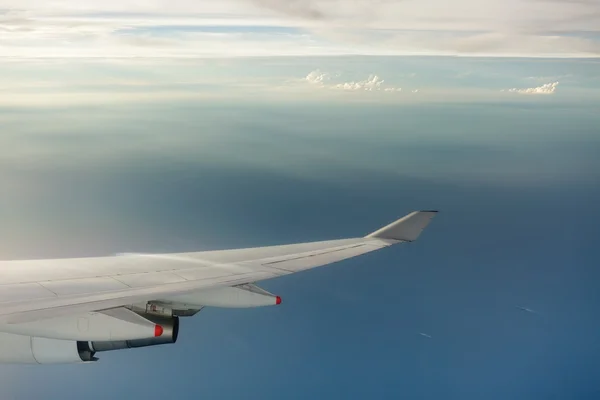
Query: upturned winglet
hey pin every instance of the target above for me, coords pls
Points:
(407, 228)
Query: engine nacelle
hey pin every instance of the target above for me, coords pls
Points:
(22, 349)
(169, 335)
(19, 349)
(112, 324)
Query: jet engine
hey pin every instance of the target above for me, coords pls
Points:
(22, 349)
(170, 326)
(77, 338)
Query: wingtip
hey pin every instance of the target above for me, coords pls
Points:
(407, 228)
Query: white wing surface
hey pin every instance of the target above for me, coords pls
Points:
(39, 289)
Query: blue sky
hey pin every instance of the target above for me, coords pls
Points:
(178, 126)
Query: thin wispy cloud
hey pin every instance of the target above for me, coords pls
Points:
(550, 78)
(547, 88)
(527, 310)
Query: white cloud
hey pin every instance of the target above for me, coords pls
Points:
(548, 88)
(317, 77)
(372, 83)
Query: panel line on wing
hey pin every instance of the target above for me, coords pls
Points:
(311, 255)
(48, 289)
(113, 277)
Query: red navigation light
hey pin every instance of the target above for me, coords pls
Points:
(277, 300)
(158, 330)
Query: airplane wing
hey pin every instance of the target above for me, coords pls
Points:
(40, 289)
(67, 310)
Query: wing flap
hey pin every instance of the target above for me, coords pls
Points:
(20, 312)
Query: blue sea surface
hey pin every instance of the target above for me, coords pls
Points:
(517, 186)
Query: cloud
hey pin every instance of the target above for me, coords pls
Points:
(317, 77)
(230, 28)
(464, 15)
(550, 78)
(548, 88)
(294, 8)
(548, 28)
(372, 83)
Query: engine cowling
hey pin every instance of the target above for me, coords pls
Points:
(22, 349)
(118, 323)
(169, 335)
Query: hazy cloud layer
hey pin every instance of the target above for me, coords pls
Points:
(186, 28)
(485, 27)
(295, 8)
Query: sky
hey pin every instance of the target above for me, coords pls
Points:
(138, 126)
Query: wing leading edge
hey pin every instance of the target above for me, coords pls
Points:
(91, 284)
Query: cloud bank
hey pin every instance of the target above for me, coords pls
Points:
(317, 77)
(548, 88)
(372, 83)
